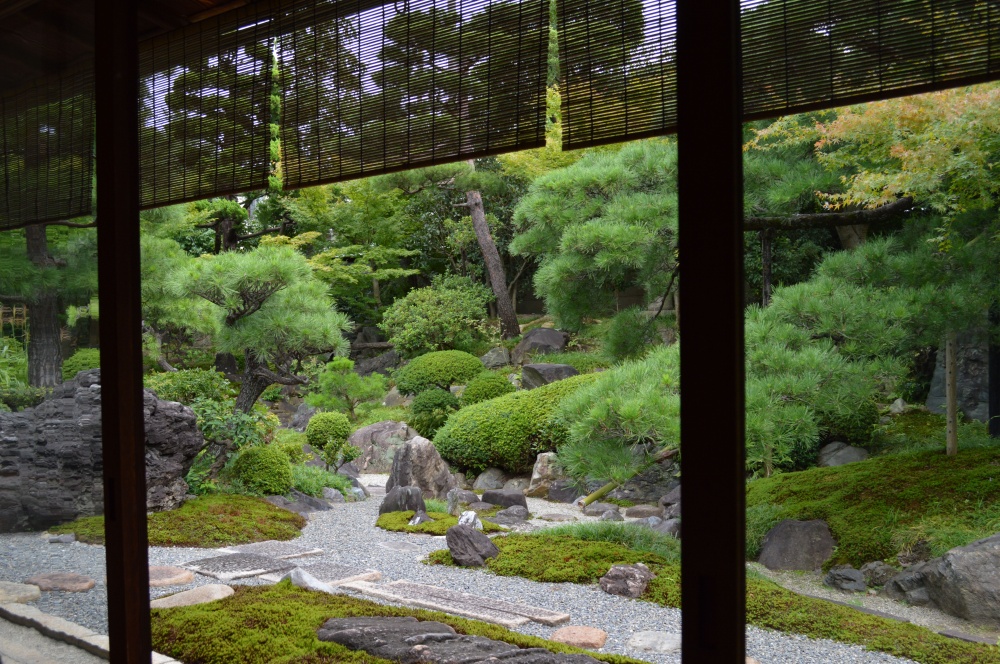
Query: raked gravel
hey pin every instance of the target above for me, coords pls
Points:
(347, 535)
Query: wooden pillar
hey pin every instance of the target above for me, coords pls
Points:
(713, 576)
(117, 121)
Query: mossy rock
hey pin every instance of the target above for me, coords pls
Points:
(399, 522)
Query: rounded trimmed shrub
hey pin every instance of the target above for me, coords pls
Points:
(81, 360)
(485, 386)
(442, 369)
(263, 469)
(431, 409)
(326, 428)
(507, 432)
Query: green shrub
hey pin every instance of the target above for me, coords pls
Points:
(630, 334)
(582, 361)
(485, 386)
(311, 480)
(760, 519)
(219, 421)
(19, 397)
(507, 432)
(292, 444)
(449, 312)
(188, 385)
(263, 469)
(13, 363)
(327, 433)
(441, 369)
(339, 388)
(431, 409)
(81, 360)
(616, 424)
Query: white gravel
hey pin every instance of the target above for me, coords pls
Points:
(348, 536)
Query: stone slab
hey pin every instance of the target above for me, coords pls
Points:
(168, 575)
(330, 573)
(580, 636)
(274, 549)
(652, 641)
(199, 595)
(534, 613)
(402, 547)
(968, 638)
(557, 517)
(62, 581)
(19, 593)
(386, 592)
(238, 566)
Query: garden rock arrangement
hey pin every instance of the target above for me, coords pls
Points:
(417, 463)
(378, 444)
(50, 456)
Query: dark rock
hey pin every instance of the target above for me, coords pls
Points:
(838, 454)
(564, 491)
(672, 511)
(418, 463)
(491, 478)
(382, 364)
(394, 398)
(300, 420)
(797, 545)
(612, 515)
(290, 505)
(537, 375)
(627, 580)
(909, 586)
(469, 547)
(403, 499)
(643, 511)
(409, 641)
(669, 527)
(972, 380)
(349, 470)
(965, 582)
(51, 456)
(918, 553)
(458, 497)
(481, 506)
(369, 334)
(539, 341)
(313, 504)
(597, 509)
(513, 512)
(505, 498)
(418, 518)
(649, 485)
(333, 496)
(496, 358)
(378, 444)
(518, 484)
(846, 578)
(878, 573)
(672, 497)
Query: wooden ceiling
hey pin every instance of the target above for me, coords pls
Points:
(42, 37)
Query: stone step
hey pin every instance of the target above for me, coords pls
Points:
(400, 596)
(534, 613)
(274, 549)
(330, 573)
(238, 566)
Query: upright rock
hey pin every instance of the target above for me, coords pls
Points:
(51, 462)
(627, 580)
(403, 499)
(496, 358)
(539, 341)
(378, 444)
(543, 475)
(417, 463)
(537, 375)
(469, 547)
(797, 545)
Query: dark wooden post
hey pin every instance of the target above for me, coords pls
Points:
(994, 372)
(765, 262)
(713, 576)
(117, 90)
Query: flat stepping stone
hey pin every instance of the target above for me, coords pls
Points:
(533, 613)
(403, 547)
(556, 517)
(199, 595)
(238, 566)
(330, 573)
(436, 604)
(18, 593)
(580, 636)
(65, 581)
(274, 549)
(168, 575)
(650, 641)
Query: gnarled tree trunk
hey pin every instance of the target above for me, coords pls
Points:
(498, 280)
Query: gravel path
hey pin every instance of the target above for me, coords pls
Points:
(347, 536)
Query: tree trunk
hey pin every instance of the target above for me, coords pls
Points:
(951, 393)
(498, 280)
(765, 272)
(253, 385)
(852, 237)
(44, 347)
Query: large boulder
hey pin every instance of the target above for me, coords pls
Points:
(469, 547)
(403, 499)
(797, 545)
(417, 463)
(491, 478)
(539, 341)
(846, 578)
(838, 454)
(504, 498)
(378, 444)
(51, 456)
(496, 358)
(382, 364)
(543, 475)
(963, 582)
(300, 419)
(536, 375)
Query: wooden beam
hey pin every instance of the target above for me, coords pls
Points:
(830, 219)
(117, 111)
(710, 168)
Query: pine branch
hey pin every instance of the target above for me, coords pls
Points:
(830, 219)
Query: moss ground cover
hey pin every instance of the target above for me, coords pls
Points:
(209, 521)
(556, 558)
(277, 625)
(878, 507)
(399, 522)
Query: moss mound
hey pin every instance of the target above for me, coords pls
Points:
(399, 522)
(209, 521)
(542, 557)
(263, 469)
(878, 507)
(507, 432)
(441, 369)
(485, 386)
(277, 625)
